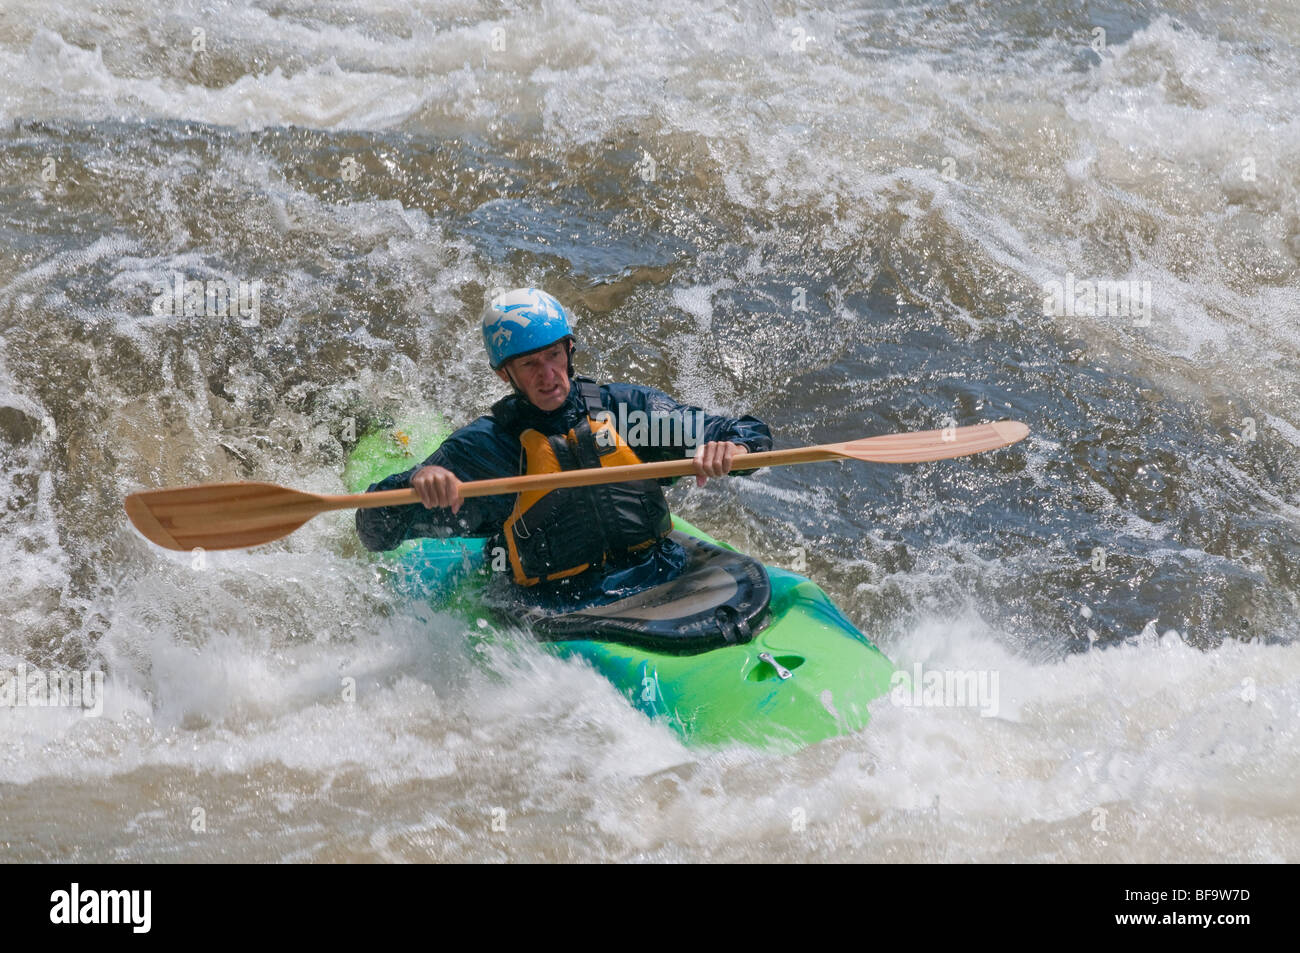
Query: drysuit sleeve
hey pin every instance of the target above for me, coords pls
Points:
(654, 433)
(480, 451)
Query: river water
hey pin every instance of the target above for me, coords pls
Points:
(847, 221)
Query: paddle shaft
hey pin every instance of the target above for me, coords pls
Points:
(588, 477)
(243, 514)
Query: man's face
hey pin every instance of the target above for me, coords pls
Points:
(543, 376)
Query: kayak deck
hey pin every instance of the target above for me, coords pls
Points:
(720, 598)
(807, 675)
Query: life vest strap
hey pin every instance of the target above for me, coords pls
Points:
(590, 391)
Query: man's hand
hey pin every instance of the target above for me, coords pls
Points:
(437, 487)
(714, 459)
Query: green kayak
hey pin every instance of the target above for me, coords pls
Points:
(731, 652)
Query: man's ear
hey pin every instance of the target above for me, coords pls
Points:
(505, 376)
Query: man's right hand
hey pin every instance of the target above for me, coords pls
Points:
(437, 487)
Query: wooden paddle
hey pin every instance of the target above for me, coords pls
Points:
(236, 515)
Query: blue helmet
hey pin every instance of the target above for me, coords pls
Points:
(521, 321)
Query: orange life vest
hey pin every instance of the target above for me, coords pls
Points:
(552, 534)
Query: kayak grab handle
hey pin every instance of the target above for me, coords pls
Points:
(782, 672)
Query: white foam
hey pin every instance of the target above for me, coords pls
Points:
(1137, 739)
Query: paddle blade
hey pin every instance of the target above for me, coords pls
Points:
(927, 445)
(220, 515)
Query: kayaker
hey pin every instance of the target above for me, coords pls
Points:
(570, 547)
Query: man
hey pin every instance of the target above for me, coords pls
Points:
(571, 547)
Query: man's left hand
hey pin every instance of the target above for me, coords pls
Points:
(714, 459)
